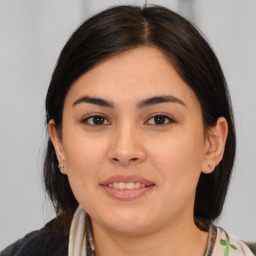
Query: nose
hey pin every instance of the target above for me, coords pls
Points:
(126, 147)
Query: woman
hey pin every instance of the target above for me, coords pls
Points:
(141, 141)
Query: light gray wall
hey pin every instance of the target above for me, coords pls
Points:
(230, 28)
(32, 35)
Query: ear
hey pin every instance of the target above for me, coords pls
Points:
(215, 145)
(57, 144)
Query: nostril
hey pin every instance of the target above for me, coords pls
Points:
(131, 160)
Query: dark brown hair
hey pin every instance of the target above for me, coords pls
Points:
(119, 29)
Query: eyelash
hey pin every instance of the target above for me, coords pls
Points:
(165, 118)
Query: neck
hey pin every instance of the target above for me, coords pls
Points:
(176, 239)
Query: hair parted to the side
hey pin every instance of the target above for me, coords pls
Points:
(119, 29)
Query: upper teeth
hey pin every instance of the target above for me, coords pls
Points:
(129, 185)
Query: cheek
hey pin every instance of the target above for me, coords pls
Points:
(83, 152)
(84, 157)
(84, 160)
(178, 160)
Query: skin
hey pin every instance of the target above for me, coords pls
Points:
(129, 142)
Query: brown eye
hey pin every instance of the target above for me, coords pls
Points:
(160, 120)
(96, 120)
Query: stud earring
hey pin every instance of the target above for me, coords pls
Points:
(211, 166)
(61, 167)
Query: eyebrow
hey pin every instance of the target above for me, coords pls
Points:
(144, 103)
(159, 99)
(92, 100)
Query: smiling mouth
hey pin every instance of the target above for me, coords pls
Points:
(128, 185)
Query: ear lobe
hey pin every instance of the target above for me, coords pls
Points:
(215, 145)
(57, 144)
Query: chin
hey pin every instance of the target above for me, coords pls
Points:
(129, 228)
(133, 223)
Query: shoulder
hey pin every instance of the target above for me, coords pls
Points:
(46, 241)
(226, 244)
(252, 246)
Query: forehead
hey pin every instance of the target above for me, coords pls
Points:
(131, 76)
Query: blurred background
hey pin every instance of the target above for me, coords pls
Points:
(32, 34)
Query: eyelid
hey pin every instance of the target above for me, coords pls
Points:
(170, 119)
(85, 119)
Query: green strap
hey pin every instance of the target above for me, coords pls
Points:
(227, 244)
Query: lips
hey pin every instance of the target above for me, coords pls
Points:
(127, 179)
(127, 187)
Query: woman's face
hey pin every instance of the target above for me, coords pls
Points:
(133, 143)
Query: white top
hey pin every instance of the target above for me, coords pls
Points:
(221, 244)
